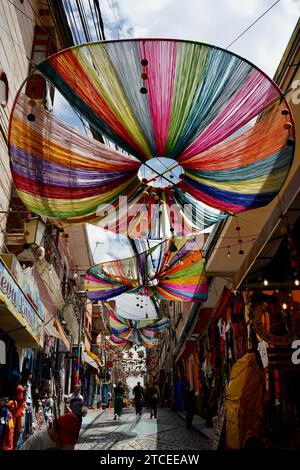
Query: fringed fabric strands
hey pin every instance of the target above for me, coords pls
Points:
(144, 332)
(167, 271)
(222, 124)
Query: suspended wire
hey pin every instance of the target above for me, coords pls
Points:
(72, 21)
(252, 24)
(100, 20)
(96, 26)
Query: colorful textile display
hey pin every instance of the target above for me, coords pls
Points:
(244, 403)
(145, 332)
(221, 125)
(166, 271)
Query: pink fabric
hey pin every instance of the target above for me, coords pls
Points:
(233, 116)
(160, 92)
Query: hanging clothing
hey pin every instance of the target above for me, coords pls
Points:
(6, 429)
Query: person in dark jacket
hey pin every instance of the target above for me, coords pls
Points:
(153, 399)
(139, 396)
(119, 392)
(189, 405)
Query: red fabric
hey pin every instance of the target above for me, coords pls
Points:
(69, 425)
(189, 349)
(223, 304)
(203, 321)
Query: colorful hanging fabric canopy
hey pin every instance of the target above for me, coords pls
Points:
(166, 271)
(221, 121)
(146, 332)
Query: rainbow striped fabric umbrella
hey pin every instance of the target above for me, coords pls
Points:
(166, 271)
(196, 128)
(146, 332)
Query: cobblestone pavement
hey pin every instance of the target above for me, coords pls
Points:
(167, 432)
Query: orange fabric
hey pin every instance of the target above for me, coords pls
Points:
(254, 141)
(18, 425)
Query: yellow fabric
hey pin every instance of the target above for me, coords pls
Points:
(244, 402)
(94, 356)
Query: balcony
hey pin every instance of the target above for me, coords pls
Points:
(98, 322)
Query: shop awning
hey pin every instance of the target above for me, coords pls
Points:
(89, 360)
(54, 328)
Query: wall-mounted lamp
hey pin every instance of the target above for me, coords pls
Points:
(34, 231)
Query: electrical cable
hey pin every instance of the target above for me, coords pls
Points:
(252, 24)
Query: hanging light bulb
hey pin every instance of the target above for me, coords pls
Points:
(265, 282)
(297, 282)
(228, 252)
(284, 306)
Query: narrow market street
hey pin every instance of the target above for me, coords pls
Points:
(167, 432)
(149, 230)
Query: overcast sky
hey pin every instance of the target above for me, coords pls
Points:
(216, 22)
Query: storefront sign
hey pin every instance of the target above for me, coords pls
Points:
(278, 340)
(18, 304)
(28, 284)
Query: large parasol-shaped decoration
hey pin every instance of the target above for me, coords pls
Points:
(166, 271)
(144, 332)
(203, 131)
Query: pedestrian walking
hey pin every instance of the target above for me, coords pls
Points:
(119, 392)
(147, 386)
(62, 436)
(74, 404)
(139, 396)
(153, 399)
(189, 405)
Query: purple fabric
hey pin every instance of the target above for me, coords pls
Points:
(63, 175)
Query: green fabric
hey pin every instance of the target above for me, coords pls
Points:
(118, 406)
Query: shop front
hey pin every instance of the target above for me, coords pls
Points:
(20, 322)
(21, 330)
(90, 380)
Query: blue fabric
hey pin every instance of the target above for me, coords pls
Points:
(278, 161)
(247, 200)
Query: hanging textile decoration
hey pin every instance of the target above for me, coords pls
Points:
(166, 271)
(145, 332)
(204, 131)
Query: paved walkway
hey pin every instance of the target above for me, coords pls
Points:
(167, 432)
